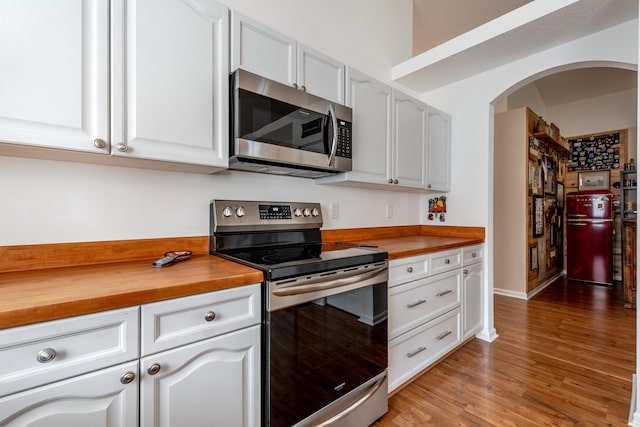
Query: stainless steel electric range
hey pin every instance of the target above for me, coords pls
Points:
(324, 347)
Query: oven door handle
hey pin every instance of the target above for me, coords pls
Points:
(345, 281)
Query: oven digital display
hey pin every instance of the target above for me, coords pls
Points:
(275, 211)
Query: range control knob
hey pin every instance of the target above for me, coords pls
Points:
(226, 212)
(315, 212)
(240, 212)
(307, 212)
(297, 212)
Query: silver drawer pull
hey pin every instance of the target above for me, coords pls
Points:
(443, 293)
(443, 336)
(127, 377)
(473, 255)
(210, 316)
(417, 303)
(410, 270)
(447, 261)
(415, 352)
(46, 355)
(153, 369)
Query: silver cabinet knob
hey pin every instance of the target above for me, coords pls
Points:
(447, 261)
(304, 89)
(46, 355)
(410, 270)
(127, 377)
(99, 143)
(395, 181)
(473, 255)
(210, 316)
(295, 85)
(122, 147)
(153, 369)
(465, 272)
(390, 181)
(428, 185)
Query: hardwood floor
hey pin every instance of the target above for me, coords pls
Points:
(564, 358)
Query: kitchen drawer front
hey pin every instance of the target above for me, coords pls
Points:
(415, 303)
(472, 254)
(445, 261)
(180, 321)
(414, 351)
(408, 269)
(73, 346)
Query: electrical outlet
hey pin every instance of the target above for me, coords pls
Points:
(335, 210)
(389, 210)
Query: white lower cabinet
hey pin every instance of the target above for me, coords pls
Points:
(102, 398)
(200, 366)
(412, 352)
(211, 376)
(435, 302)
(473, 278)
(211, 382)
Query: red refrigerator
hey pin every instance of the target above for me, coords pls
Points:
(590, 236)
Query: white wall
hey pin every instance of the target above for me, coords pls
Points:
(50, 201)
(471, 198)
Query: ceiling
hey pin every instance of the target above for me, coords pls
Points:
(437, 21)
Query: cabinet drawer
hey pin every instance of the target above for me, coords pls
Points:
(445, 260)
(414, 351)
(172, 323)
(415, 303)
(472, 254)
(73, 346)
(408, 269)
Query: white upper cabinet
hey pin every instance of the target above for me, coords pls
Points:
(54, 75)
(263, 51)
(390, 137)
(439, 152)
(408, 153)
(142, 79)
(170, 81)
(371, 104)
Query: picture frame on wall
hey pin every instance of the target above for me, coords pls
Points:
(560, 195)
(538, 215)
(549, 176)
(597, 180)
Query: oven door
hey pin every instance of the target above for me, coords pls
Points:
(326, 354)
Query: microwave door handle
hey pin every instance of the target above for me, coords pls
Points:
(334, 143)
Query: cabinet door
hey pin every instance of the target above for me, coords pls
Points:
(54, 74)
(371, 104)
(407, 158)
(100, 399)
(320, 75)
(170, 81)
(439, 151)
(472, 302)
(261, 50)
(211, 382)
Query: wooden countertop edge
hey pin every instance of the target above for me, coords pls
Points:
(443, 247)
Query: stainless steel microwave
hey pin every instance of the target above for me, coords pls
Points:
(282, 130)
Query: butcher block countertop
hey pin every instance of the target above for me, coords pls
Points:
(47, 282)
(38, 295)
